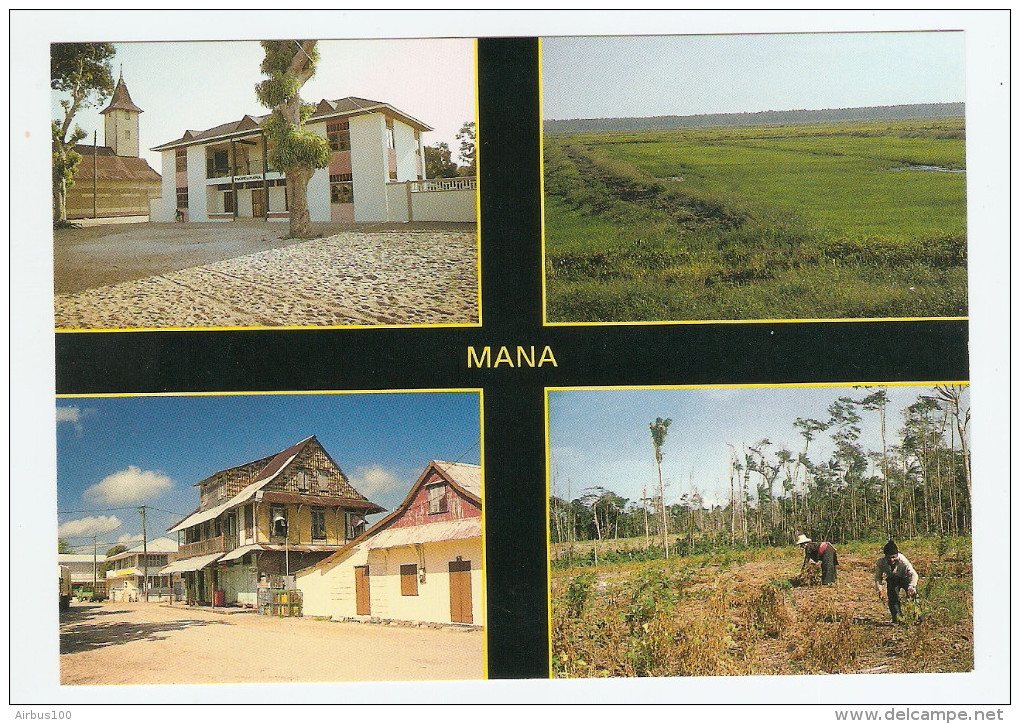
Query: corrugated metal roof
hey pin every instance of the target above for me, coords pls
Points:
(69, 558)
(276, 496)
(461, 529)
(113, 168)
(278, 463)
(293, 548)
(195, 563)
(466, 476)
(351, 105)
(238, 552)
(157, 545)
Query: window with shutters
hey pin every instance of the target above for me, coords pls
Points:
(409, 580)
(318, 524)
(437, 498)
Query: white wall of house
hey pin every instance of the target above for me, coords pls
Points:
(432, 603)
(330, 591)
(396, 201)
(318, 186)
(196, 184)
(407, 164)
(368, 167)
(444, 205)
(168, 211)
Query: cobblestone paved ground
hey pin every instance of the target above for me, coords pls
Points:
(351, 278)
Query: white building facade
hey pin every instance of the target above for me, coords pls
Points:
(376, 171)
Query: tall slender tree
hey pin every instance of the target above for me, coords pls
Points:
(83, 71)
(658, 430)
(296, 151)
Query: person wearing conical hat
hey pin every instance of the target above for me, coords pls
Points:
(824, 553)
(899, 575)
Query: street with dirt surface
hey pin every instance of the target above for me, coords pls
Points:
(149, 643)
(155, 276)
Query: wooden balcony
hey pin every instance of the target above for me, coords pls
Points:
(219, 544)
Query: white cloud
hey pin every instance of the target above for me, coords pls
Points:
(72, 414)
(133, 485)
(376, 479)
(68, 414)
(128, 538)
(84, 527)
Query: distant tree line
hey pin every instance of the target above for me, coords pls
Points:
(916, 484)
(439, 161)
(760, 118)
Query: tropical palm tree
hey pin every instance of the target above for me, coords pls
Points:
(658, 430)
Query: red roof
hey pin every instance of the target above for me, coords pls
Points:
(112, 168)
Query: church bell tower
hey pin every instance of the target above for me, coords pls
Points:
(121, 127)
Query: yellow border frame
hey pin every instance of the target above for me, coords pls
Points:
(545, 304)
(439, 390)
(594, 388)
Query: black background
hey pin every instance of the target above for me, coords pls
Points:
(515, 477)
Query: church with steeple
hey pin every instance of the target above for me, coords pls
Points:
(112, 180)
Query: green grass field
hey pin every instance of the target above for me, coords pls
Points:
(817, 221)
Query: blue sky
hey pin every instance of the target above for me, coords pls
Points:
(123, 452)
(607, 77)
(198, 85)
(601, 437)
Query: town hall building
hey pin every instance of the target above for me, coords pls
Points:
(376, 171)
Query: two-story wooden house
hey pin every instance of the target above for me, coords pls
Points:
(132, 574)
(422, 562)
(266, 518)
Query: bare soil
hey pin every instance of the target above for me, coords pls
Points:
(124, 643)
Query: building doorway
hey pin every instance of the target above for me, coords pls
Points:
(362, 591)
(460, 592)
(258, 203)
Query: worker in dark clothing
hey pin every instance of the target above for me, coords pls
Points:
(899, 575)
(824, 553)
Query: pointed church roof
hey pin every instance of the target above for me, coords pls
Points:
(121, 100)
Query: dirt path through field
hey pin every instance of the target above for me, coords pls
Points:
(142, 643)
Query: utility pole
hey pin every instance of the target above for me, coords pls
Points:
(95, 173)
(95, 565)
(145, 558)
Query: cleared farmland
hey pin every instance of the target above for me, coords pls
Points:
(819, 221)
(744, 612)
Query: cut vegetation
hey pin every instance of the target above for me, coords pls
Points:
(818, 221)
(744, 613)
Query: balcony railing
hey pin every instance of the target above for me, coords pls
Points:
(219, 544)
(250, 169)
(461, 183)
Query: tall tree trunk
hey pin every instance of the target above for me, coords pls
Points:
(662, 502)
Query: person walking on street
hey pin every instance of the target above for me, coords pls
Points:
(824, 553)
(899, 574)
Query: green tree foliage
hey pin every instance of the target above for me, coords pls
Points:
(466, 136)
(777, 494)
(82, 71)
(439, 161)
(295, 150)
(63, 546)
(114, 550)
